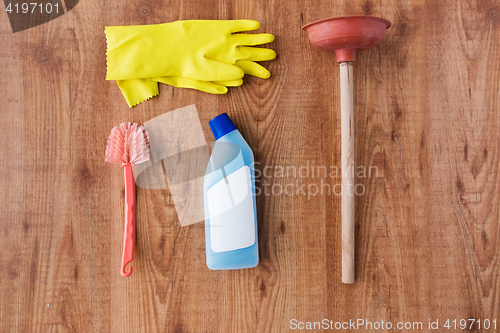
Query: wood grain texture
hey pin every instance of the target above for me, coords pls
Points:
(426, 113)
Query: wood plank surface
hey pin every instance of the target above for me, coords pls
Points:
(427, 126)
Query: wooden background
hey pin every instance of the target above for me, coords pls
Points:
(427, 232)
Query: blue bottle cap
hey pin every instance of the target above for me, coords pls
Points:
(221, 125)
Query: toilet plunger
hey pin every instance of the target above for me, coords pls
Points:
(345, 35)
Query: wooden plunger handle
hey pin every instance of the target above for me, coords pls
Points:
(348, 186)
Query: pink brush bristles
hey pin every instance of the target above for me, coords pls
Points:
(128, 143)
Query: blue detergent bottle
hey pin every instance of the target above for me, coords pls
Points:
(229, 198)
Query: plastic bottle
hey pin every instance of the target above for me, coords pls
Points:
(229, 197)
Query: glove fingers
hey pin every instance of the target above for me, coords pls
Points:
(137, 91)
(234, 83)
(254, 53)
(182, 82)
(244, 25)
(253, 39)
(220, 71)
(253, 68)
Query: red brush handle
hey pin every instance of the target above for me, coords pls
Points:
(129, 236)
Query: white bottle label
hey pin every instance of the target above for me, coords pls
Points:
(231, 212)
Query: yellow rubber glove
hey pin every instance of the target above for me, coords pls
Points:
(196, 50)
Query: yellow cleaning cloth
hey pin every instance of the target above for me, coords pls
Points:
(202, 55)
